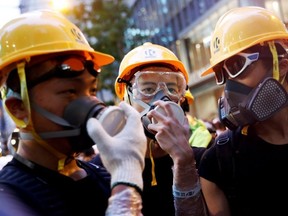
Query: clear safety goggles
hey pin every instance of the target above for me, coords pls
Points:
(67, 67)
(234, 66)
(148, 83)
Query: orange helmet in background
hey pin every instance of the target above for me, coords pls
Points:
(241, 28)
(142, 55)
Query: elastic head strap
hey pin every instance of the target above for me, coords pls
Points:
(24, 92)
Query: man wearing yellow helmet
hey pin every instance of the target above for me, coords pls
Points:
(154, 81)
(49, 76)
(244, 172)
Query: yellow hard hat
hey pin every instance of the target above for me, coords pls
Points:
(241, 28)
(142, 55)
(42, 32)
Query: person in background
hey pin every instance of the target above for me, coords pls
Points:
(48, 73)
(153, 80)
(12, 144)
(200, 135)
(6, 128)
(4, 160)
(243, 173)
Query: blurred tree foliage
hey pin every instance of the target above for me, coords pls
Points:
(104, 23)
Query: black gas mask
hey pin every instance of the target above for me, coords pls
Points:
(243, 105)
(78, 112)
(151, 86)
(75, 118)
(177, 111)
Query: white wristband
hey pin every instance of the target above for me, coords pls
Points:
(186, 194)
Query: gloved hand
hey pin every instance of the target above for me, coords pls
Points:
(123, 154)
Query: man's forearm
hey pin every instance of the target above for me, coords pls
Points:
(187, 194)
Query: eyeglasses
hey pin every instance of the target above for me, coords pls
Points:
(234, 66)
(148, 83)
(67, 68)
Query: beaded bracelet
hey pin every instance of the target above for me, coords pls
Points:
(137, 188)
(186, 194)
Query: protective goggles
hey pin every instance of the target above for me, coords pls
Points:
(148, 83)
(66, 68)
(234, 66)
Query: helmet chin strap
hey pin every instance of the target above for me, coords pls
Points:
(273, 51)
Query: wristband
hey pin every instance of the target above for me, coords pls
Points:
(186, 194)
(137, 188)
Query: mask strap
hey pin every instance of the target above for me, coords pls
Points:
(53, 134)
(54, 118)
(141, 103)
(275, 60)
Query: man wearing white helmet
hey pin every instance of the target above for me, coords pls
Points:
(244, 173)
(153, 80)
(49, 76)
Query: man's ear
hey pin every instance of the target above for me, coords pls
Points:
(16, 107)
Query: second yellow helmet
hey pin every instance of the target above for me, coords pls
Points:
(142, 55)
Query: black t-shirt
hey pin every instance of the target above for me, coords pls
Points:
(47, 192)
(260, 184)
(158, 200)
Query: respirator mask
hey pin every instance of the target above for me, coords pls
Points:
(79, 111)
(243, 105)
(150, 86)
(75, 118)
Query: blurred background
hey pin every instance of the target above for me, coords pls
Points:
(115, 27)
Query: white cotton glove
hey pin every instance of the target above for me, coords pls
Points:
(122, 155)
